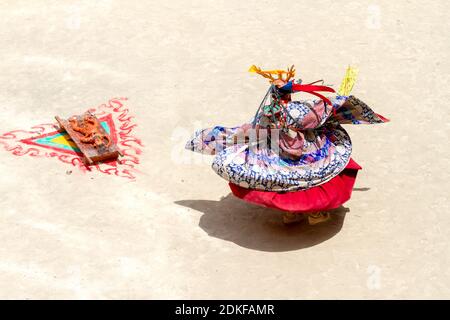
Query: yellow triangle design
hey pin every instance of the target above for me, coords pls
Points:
(64, 140)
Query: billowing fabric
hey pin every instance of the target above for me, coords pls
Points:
(327, 196)
(313, 149)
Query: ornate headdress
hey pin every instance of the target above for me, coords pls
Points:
(281, 74)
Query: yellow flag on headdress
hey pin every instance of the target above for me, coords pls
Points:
(348, 81)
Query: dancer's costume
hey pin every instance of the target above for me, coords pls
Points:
(293, 155)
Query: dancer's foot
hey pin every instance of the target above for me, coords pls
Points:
(318, 217)
(289, 218)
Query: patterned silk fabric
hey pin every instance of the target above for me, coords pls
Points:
(310, 151)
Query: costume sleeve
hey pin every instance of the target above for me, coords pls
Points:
(351, 110)
(213, 140)
(344, 110)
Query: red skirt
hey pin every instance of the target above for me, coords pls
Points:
(327, 196)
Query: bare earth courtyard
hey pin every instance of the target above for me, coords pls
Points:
(163, 225)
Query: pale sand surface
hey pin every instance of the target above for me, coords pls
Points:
(170, 234)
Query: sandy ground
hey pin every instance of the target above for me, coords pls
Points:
(176, 232)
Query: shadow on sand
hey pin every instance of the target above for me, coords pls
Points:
(361, 189)
(260, 228)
